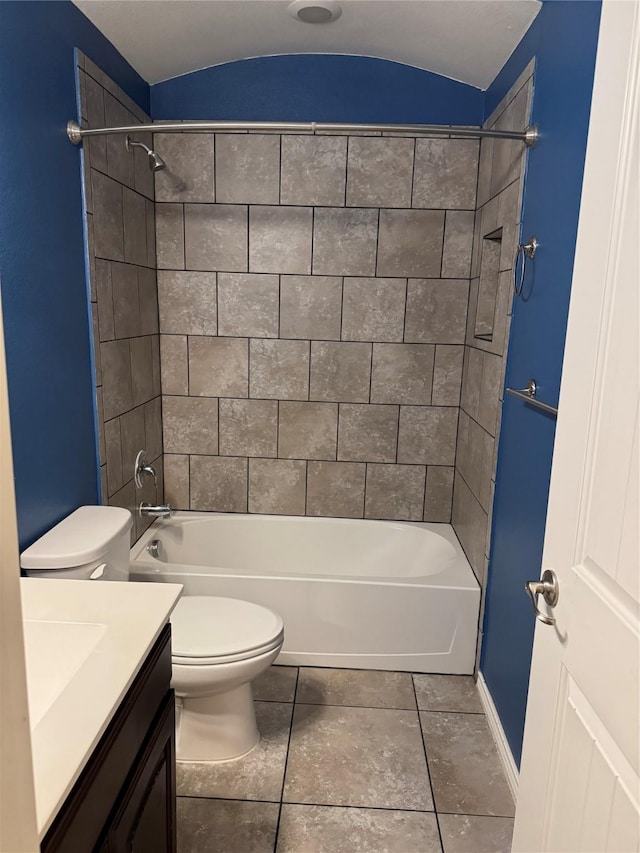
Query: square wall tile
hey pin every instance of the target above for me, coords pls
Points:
(190, 425)
(395, 492)
(279, 370)
(170, 236)
(173, 364)
(310, 307)
(438, 494)
(247, 168)
(402, 373)
(117, 392)
(344, 242)
(379, 172)
(280, 239)
(307, 430)
(189, 174)
(142, 383)
(126, 307)
(143, 176)
(134, 209)
(151, 234)
(446, 173)
(120, 164)
(97, 146)
(313, 170)
(373, 309)
(427, 435)
(148, 299)
(447, 375)
(218, 484)
(218, 367)
(336, 489)
(458, 243)
(187, 303)
(113, 455)
(436, 311)
(277, 486)
(490, 392)
(108, 217)
(104, 295)
(340, 372)
(248, 428)
(216, 237)
(410, 243)
(176, 480)
(132, 431)
(471, 381)
(248, 305)
(153, 427)
(470, 523)
(367, 433)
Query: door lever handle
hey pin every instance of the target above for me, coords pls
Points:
(548, 588)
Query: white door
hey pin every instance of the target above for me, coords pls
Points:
(579, 780)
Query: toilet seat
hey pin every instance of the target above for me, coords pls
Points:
(208, 630)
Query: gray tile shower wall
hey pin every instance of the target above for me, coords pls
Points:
(313, 296)
(120, 221)
(496, 230)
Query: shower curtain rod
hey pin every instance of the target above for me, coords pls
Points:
(529, 135)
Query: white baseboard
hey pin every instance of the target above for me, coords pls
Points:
(504, 750)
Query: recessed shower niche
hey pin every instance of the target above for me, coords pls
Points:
(488, 285)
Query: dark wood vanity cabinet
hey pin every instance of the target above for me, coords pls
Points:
(124, 800)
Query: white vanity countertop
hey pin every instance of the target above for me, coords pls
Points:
(85, 643)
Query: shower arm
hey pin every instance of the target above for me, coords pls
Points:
(529, 136)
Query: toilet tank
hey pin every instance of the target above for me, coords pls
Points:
(91, 543)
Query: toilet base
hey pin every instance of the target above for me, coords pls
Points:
(216, 728)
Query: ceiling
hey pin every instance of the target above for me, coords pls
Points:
(466, 40)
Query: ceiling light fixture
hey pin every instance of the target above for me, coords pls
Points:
(315, 11)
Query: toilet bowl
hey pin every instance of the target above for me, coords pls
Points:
(219, 645)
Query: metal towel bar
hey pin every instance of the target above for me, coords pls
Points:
(528, 394)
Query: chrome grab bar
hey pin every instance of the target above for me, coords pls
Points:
(528, 394)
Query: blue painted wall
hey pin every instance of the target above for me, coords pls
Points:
(42, 271)
(564, 39)
(317, 88)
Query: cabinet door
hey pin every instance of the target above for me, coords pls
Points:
(145, 821)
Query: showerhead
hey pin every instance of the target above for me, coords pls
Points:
(156, 163)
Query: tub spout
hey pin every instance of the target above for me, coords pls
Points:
(156, 511)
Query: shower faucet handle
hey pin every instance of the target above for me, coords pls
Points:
(144, 468)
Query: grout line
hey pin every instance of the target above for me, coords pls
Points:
(426, 758)
(286, 759)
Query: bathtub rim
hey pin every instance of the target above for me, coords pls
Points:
(457, 575)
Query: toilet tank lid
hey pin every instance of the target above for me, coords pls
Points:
(79, 538)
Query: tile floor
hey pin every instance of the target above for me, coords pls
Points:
(354, 761)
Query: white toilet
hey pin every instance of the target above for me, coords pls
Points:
(219, 645)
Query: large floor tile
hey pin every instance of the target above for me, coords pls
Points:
(357, 757)
(257, 775)
(465, 834)
(226, 826)
(447, 693)
(327, 829)
(359, 687)
(466, 772)
(276, 684)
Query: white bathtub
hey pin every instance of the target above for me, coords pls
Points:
(352, 593)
